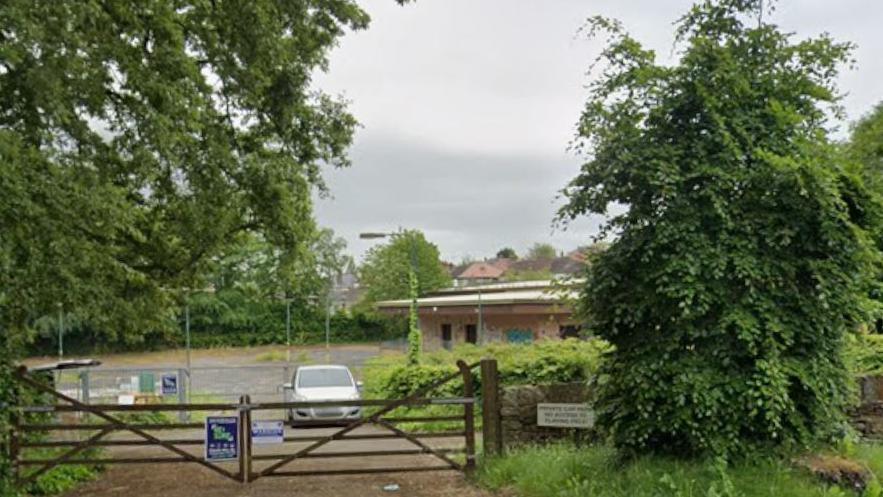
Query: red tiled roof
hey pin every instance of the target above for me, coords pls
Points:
(478, 270)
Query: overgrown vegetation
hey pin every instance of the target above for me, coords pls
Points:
(392, 377)
(745, 253)
(65, 477)
(567, 471)
(549, 361)
(864, 354)
(241, 324)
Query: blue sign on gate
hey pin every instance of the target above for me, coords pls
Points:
(221, 438)
(169, 384)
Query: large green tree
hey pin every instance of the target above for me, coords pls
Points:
(740, 256)
(138, 138)
(384, 272)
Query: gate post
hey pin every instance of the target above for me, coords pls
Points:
(468, 416)
(492, 431)
(244, 438)
(84, 386)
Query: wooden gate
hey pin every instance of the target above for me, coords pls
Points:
(247, 466)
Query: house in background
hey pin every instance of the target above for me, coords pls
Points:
(346, 292)
(516, 312)
(478, 273)
(500, 270)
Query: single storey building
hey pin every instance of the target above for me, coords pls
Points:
(515, 312)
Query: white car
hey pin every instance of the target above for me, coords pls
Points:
(318, 383)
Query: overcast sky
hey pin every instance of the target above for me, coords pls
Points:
(467, 107)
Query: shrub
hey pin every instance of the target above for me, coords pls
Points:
(549, 361)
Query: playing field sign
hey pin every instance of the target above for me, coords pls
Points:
(169, 384)
(267, 432)
(221, 438)
(565, 415)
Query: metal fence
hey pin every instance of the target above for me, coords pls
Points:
(203, 384)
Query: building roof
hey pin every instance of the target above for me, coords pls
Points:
(481, 270)
(522, 292)
(568, 265)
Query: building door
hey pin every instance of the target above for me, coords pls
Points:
(471, 333)
(447, 336)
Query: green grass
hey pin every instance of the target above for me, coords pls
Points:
(565, 471)
(61, 478)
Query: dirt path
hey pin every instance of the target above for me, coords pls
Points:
(183, 480)
(192, 480)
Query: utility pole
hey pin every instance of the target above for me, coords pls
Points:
(60, 332)
(480, 319)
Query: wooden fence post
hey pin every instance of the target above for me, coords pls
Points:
(492, 431)
(468, 416)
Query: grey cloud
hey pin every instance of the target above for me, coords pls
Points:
(468, 107)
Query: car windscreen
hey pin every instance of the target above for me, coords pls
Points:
(318, 378)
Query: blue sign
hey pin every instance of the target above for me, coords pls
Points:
(169, 384)
(221, 438)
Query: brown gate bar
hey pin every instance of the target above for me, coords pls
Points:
(377, 418)
(75, 405)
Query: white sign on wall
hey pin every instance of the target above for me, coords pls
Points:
(565, 415)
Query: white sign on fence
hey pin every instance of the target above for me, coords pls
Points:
(267, 432)
(565, 415)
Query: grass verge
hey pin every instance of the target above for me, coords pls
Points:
(567, 471)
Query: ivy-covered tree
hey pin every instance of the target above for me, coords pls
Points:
(406, 267)
(740, 258)
(866, 144)
(865, 147)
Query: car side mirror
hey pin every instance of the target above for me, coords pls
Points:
(360, 384)
(287, 386)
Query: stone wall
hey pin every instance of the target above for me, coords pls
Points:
(867, 418)
(518, 410)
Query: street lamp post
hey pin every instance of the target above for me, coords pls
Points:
(187, 293)
(414, 338)
(288, 331)
(328, 329)
(187, 341)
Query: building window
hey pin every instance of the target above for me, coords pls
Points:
(569, 331)
(447, 336)
(471, 333)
